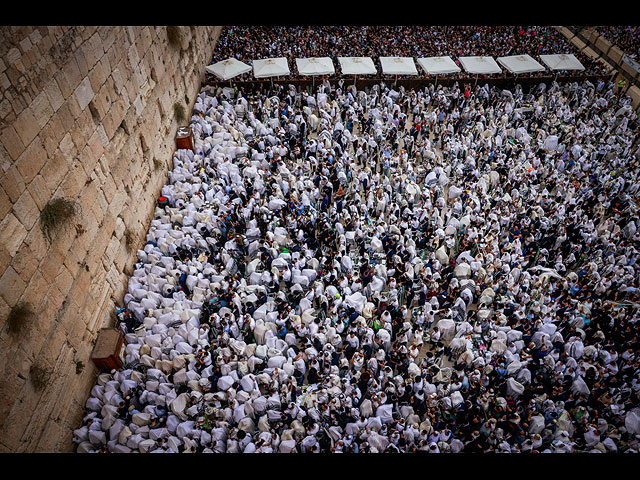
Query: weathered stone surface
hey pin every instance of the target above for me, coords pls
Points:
(26, 210)
(11, 286)
(75, 102)
(12, 183)
(52, 90)
(12, 142)
(5, 203)
(12, 233)
(26, 125)
(32, 160)
(84, 93)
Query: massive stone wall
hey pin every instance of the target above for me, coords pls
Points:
(86, 114)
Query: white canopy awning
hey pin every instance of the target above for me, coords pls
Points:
(480, 65)
(438, 65)
(398, 66)
(270, 67)
(357, 66)
(315, 66)
(229, 68)
(520, 64)
(562, 61)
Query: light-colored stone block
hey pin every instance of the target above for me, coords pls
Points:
(10, 386)
(578, 43)
(12, 233)
(52, 90)
(603, 44)
(12, 142)
(11, 286)
(24, 263)
(634, 94)
(72, 73)
(615, 54)
(50, 265)
(26, 210)
(39, 191)
(54, 170)
(629, 70)
(42, 109)
(12, 183)
(84, 93)
(34, 295)
(93, 50)
(26, 125)
(13, 55)
(5, 203)
(32, 160)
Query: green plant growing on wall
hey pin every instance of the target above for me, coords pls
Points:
(19, 317)
(79, 367)
(179, 112)
(129, 239)
(186, 99)
(39, 376)
(173, 35)
(55, 214)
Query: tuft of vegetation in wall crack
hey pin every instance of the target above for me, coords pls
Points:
(19, 318)
(39, 376)
(174, 36)
(56, 213)
(179, 112)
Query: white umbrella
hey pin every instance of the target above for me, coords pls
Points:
(438, 66)
(315, 66)
(480, 65)
(398, 66)
(520, 64)
(229, 68)
(270, 67)
(357, 66)
(562, 61)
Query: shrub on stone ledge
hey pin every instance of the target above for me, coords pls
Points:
(19, 317)
(55, 214)
(179, 112)
(39, 376)
(130, 239)
(173, 35)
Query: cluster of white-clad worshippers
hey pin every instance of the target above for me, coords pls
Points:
(446, 269)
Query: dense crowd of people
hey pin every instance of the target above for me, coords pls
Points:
(451, 269)
(626, 38)
(247, 43)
